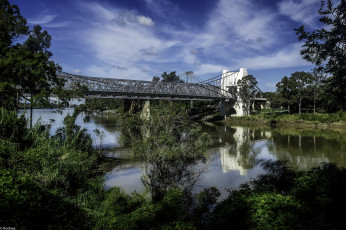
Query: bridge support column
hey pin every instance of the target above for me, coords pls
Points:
(226, 108)
(145, 114)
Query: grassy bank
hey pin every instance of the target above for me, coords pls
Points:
(333, 120)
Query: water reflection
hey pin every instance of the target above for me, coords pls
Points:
(232, 154)
(238, 150)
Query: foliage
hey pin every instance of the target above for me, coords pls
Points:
(292, 90)
(176, 209)
(102, 104)
(247, 91)
(25, 68)
(25, 205)
(168, 146)
(12, 127)
(286, 199)
(47, 180)
(168, 77)
(37, 71)
(326, 48)
(12, 26)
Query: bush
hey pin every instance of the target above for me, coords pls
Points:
(12, 127)
(310, 200)
(24, 205)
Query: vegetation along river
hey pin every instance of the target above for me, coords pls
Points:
(232, 156)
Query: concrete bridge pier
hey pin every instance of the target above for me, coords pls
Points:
(226, 108)
(138, 106)
(145, 113)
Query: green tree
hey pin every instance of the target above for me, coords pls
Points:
(171, 77)
(156, 79)
(37, 73)
(294, 89)
(317, 86)
(273, 98)
(284, 88)
(12, 26)
(169, 148)
(300, 82)
(247, 91)
(326, 48)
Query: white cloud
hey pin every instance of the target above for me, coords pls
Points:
(304, 11)
(237, 23)
(47, 20)
(108, 71)
(145, 21)
(43, 19)
(203, 69)
(287, 57)
(77, 71)
(116, 39)
(126, 45)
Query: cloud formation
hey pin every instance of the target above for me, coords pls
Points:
(127, 44)
(300, 11)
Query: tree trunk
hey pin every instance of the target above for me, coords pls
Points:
(300, 104)
(31, 108)
(314, 105)
(288, 107)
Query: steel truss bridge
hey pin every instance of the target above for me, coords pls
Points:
(136, 89)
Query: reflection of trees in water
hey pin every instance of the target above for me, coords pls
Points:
(306, 150)
(108, 121)
(238, 149)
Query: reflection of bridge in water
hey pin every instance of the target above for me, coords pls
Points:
(222, 87)
(238, 152)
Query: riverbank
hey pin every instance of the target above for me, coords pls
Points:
(333, 121)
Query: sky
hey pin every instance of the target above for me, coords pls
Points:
(139, 39)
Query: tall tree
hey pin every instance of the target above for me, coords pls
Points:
(294, 89)
(326, 48)
(247, 90)
(300, 82)
(316, 86)
(171, 77)
(285, 90)
(37, 70)
(12, 26)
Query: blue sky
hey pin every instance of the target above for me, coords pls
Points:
(139, 39)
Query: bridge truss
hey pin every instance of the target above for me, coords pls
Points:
(135, 89)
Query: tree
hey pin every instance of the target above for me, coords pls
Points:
(12, 26)
(37, 72)
(247, 90)
(300, 82)
(284, 88)
(294, 89)
(171, 77)
(316, 87)
(169, 148)
(156, 79)
(326, 48)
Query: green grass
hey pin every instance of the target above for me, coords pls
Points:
(275, 116)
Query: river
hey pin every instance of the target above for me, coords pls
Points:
(232, 156)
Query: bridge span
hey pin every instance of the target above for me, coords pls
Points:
(136, 89)
(223, 88)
